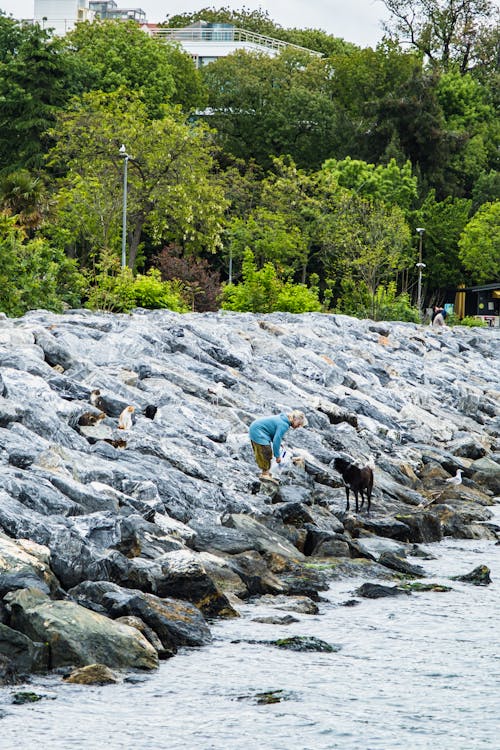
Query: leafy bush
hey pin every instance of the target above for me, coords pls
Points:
(470, 322)
(33, 274)
(115, 289)
(356, 300)
(391, 306)
(200, 283)
(264, 292)
(297, 298)
(151, 292)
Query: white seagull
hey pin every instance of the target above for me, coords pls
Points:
(457, 479)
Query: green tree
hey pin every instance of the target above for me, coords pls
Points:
(388, 183)
(34, 274)
(24, 196)
(369, 242)
(444, 222)
(479, 244)
(270, 237)
(362, 82)
(171, 194)
(33, 87)
(111, 55)
(445, 31)
(486, 189)
(263, 106)
(306, 202)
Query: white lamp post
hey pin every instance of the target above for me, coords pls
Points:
(420, 266)
(126, 157)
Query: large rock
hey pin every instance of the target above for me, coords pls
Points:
(177, 623)
(76, 636)
(24, 655)
(25, 564)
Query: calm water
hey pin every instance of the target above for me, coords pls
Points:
(413, 672)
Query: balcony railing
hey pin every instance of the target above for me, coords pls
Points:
(228, 35)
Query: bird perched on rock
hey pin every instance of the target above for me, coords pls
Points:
(125, 418)
(457, 479)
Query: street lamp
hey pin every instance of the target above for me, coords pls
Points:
(420, 266)
(126, 157)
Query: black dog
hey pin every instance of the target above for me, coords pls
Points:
(359, 480)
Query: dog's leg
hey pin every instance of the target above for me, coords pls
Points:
(356, 498)
(347, 498)
(362, 500)
(369, 490)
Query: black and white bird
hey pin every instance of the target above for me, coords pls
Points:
(457, 479)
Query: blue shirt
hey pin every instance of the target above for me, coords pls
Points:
(269, 430)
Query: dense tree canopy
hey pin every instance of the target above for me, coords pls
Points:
(33, 87)
(109, 55)
(309, 172)
(445, 31)
(170, 193)
(479, 245)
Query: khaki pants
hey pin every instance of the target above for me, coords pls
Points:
(263, 455)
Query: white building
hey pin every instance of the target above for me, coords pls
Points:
(61, 15)
(206, 42)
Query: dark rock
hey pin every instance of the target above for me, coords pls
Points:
(480, 576)
(377, 590)
(276, 620)
(305, 643)
(385, 527)
(220, 539)
(24, 654)
(424, 527)
(399, 564)
(55, 353)
(75, 636)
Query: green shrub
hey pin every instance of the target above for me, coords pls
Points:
(264, 292)
(153, 293)
(391, 306)
(469, 321)
(386, 304)
(33, 274)
(297, 298)
(114, 289)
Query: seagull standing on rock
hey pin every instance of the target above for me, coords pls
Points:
(457, 479)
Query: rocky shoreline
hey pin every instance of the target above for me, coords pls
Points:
(118, 546)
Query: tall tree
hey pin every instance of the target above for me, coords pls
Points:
(369, 242)
(33, 87)
(24, 196)
(445, 31)
(444, 222)
(479, 245)
(264, 106)
(171, 194)
(113, 54)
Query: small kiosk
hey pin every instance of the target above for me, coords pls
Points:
(482, 301)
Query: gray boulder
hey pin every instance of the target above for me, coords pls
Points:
(76, 636)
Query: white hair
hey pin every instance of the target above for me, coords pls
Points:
(299, 416)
